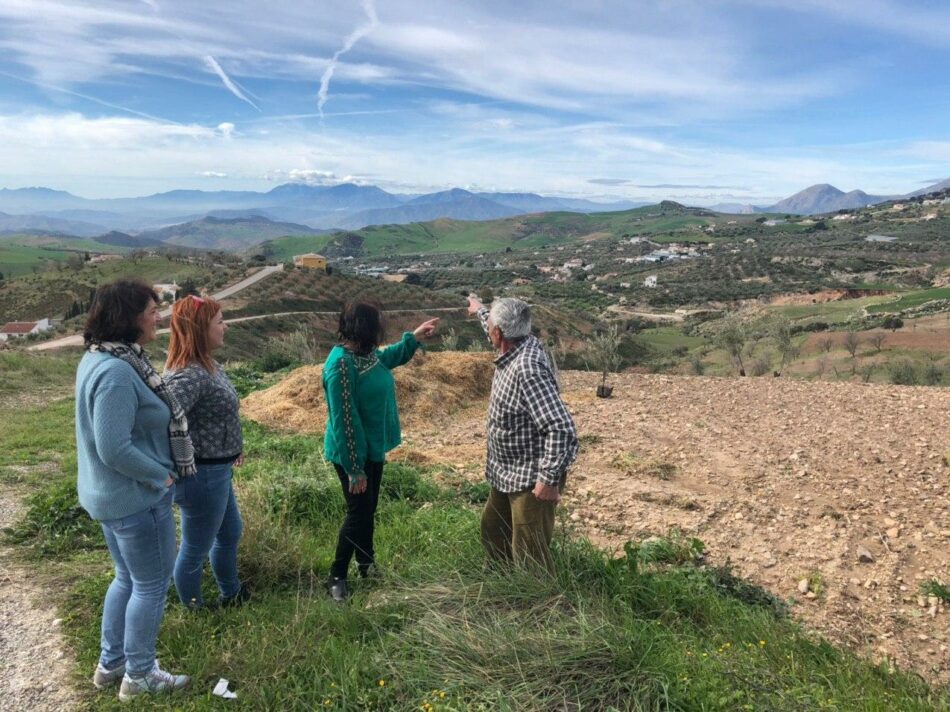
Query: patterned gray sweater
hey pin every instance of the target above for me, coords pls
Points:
(212, 406)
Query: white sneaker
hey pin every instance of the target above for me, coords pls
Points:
(156, 681)
(104, 677)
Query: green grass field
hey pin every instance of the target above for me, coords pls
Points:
(910, 300)
(20, 254)
(654, 630)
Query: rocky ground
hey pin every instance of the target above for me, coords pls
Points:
(34, 667)
(831, 494)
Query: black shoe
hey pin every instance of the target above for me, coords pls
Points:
(238, 599)
(337, 589)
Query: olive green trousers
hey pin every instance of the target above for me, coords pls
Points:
(517, 528)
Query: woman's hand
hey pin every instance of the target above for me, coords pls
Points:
(169, 482)
(426, 328)
(357, 484)
(239, 461)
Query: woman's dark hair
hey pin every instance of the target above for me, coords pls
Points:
(115, 310)
(362, 324)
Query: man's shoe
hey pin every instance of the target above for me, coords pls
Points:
(238, 599)
(104, 678)
(337, 589)
(155, 682)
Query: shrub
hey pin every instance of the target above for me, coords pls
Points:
(903, 373)
(273, 361)
(892, 322)
(697, 365)
(245, 379)
(762, 365)
(932, 375)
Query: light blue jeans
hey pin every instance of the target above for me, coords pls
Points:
(210, 524)
(142, 546)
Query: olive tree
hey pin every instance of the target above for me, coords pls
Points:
(603, 354)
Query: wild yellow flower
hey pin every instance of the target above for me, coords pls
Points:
(381, 683)
(762, 643)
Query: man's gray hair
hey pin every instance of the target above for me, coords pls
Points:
(513, 317)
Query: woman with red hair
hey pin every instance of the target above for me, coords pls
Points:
(210, 519)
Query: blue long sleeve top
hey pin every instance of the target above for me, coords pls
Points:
(121, 439)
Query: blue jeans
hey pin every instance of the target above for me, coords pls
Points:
(142, 546)
(210, 524)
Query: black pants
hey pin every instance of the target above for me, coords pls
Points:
(356, 534)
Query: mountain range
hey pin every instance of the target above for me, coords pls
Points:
(235, 220)
(345, 206)
(824, 198)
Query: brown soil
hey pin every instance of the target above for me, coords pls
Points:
(930, 333)
(786, 479)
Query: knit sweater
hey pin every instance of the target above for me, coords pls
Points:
(363, 422)
(121, 439)
(212, 406)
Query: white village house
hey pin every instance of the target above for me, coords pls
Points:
(16, 329)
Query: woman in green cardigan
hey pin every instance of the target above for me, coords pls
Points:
(363, 425)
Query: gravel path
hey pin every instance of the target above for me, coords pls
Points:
(34, 665)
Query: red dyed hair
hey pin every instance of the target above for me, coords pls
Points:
(191, 319)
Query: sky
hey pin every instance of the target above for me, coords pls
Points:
(703, 102)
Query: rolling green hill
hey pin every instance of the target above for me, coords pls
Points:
(525, 232)
(226, 233)
(25, 253)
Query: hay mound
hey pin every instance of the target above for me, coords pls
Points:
(428, 388)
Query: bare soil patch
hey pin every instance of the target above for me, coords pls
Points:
(34, 666)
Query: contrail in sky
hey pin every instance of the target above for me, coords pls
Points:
(87, 97)
(354, 37)
(232, 87)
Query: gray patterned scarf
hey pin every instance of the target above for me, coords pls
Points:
(183, 452)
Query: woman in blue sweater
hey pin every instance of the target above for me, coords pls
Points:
(132, 442)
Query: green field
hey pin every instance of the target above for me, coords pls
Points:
(910, 300)
(22, 254)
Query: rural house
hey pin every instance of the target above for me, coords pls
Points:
(311, 260)
(16, 329)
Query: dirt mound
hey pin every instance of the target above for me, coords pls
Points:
(429, 387)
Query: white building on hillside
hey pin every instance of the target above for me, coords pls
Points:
(16, 329)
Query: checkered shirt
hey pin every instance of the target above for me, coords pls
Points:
(531, 435)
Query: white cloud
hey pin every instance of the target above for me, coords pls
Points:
(928, 150)
(213, 174)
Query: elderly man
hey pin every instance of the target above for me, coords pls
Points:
(531, 439)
